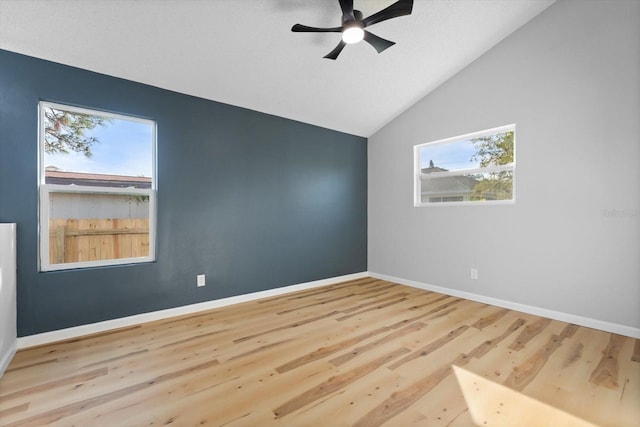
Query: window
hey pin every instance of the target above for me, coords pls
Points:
(97, 188)
(467, 169)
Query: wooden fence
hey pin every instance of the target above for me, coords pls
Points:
(74, 240)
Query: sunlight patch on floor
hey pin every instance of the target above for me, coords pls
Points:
(492, 404)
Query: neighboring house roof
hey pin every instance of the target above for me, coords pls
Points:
(447, 184)
(431, 169)
(95, 179)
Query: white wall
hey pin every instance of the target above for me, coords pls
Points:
(570, 80)
(8, 337)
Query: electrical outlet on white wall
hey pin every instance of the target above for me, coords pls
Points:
(201, 280)
(474, 274)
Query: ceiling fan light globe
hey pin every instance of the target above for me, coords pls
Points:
(352, 34)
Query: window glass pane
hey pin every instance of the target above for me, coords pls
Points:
(96, 149)
(467, 187)
(97, 188)
(95, 227)
(471, 153)
(473, 167)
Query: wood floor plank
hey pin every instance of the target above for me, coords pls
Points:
(52, 385)
(287, 326)
(529, 332)
(522, 375)
(606, 373)
(377, 305)
(636, 352)
(328, 350)
(426, 314)
(335, 383)
(363, 352)
(13, 410)
(485, 321)
(402, 399)
(440, 407)
(17, 366)
(60, 413)
(431, 347)
(414, 327)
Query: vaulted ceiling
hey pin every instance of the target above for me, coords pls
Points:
(242, 52)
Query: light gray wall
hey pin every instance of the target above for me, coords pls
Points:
(569, 79)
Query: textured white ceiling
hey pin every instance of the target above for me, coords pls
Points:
(242, 52)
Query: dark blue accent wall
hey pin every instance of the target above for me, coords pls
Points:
(253, 201)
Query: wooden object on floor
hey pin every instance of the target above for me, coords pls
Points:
(365, 352)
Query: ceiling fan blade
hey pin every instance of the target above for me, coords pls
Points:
(347, 10)
(378, 43)
(335, 52)
(299, 28)
(399, 8)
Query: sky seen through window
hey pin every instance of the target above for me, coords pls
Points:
(124, 148)
(451, 156)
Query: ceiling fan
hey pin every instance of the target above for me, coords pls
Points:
(353, 26)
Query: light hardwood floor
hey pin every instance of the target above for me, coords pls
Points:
(362, 353)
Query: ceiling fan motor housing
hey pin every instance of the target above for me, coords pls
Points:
(354, 24)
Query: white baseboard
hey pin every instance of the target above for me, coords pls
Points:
(6, 359)
(78, 331)
(538, 311)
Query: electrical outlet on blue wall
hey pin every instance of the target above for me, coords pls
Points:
(201, 280)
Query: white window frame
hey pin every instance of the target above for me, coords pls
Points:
(45, 190)
(418, 175)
